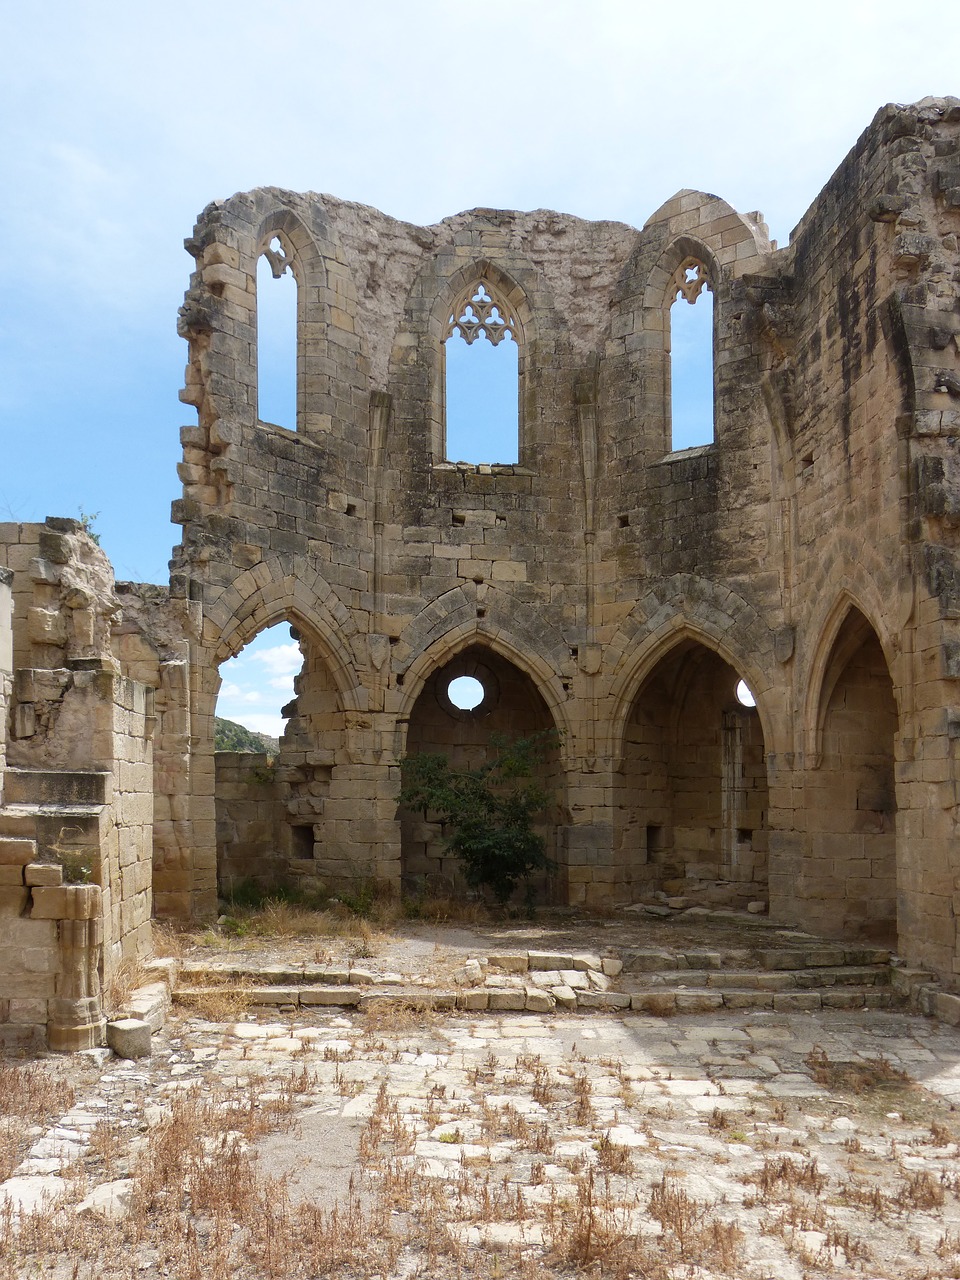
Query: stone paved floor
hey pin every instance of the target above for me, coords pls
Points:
(506, 1126)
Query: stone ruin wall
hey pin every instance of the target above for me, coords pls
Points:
(809, 550)
(76, 807)
(603, 585)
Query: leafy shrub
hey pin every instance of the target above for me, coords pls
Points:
(488, 811)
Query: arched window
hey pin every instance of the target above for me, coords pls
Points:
(481, 378)
(276, 337)
(690, 346)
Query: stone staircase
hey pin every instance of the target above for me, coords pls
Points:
(795, 973)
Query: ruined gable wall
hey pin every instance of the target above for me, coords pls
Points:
(359, 530)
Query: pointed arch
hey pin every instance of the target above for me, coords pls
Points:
(850, 790)
(729, 628)
(827, 661)
(479, 305)
(285, 247)
(249, 606)
(452, 643)
(513, 705)
(691, 774)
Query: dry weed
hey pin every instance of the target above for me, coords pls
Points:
(29, 1096)
(398, 1015)
(856, 1076)
(126, 977)
(921, 1190)
(786, 1172)
(613, 1157)
(217, 999)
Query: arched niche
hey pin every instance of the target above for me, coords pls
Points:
(850, 799)
(691, 786)
(512, 706)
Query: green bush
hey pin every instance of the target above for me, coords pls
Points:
(488, 811)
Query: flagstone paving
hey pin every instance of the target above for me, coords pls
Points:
(713, 1103)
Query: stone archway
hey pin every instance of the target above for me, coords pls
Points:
(691, 807)
(511, 705)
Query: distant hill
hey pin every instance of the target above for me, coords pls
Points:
(229, 736)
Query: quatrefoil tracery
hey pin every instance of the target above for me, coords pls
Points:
(481, 311)
(689, 281)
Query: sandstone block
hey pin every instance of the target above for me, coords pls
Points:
(129, 1037)
(43, 873)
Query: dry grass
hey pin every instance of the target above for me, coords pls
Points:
(126, 977)
(398, 1015)
(857, 1076)
(30, 1095)
(216, 998)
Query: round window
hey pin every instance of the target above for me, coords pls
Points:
(466, 692)
(744, 696)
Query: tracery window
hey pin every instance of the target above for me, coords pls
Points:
(481, 378)
(690, 347)
(276, 337)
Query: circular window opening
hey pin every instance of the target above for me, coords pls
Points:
(744, 696)
(465, 692)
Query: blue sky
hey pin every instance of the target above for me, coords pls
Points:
(119, 122)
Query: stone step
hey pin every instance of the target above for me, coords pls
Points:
(661, 1003)
(55, 787)
(762, 980)
(279, 974)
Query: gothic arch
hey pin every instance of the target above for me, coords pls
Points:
(635, 670)
(457, 610)
(446, 647)
(451, 295)
(247, 608)
(300, 249)
(826, 663)
(698, 610)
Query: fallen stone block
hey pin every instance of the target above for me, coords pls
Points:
(129, 1037)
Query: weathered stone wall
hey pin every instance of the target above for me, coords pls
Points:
(254, 849)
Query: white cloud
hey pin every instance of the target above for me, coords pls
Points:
(285, 659)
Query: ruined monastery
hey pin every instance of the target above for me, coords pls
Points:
(602, 582)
